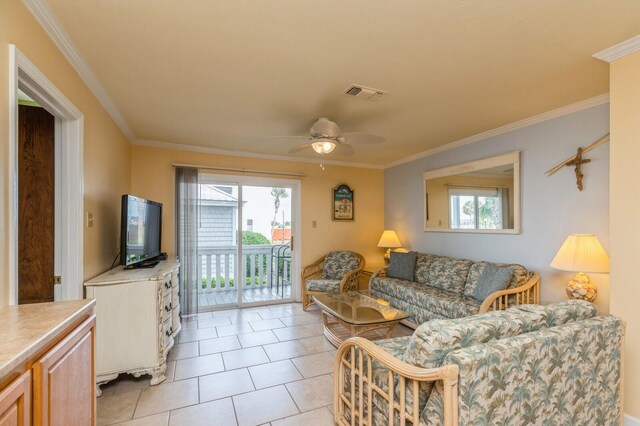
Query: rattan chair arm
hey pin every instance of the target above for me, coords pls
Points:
(531, 286)
(380, 273)
(350, 279)
(312, 269)
(448, 373)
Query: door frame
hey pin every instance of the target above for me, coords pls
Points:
(296, 257)
(23, 74)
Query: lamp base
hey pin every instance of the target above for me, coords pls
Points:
(387, 256)
(580, 287)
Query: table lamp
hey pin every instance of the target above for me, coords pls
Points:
(581, 253)
(389, 240)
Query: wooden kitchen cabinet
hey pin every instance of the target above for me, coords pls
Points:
(15, 405)
(63, 378)
(47, 368)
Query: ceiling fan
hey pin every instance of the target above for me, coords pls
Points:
(325, 137)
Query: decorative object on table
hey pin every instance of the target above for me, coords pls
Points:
(577, 160)
(581, 253)
(389, 240)
(343, 206)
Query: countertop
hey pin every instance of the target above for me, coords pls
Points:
(28, 328)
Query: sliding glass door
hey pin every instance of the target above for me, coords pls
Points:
(245, 238)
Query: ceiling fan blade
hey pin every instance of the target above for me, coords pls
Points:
(356, 138)
(300, 148)
(289, 137)
(344, 149)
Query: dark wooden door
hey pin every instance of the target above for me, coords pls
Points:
(36, 194)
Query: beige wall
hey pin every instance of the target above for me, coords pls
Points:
(624, 207)
(107, 153)
(153, 178)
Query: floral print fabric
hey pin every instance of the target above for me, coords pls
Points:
(449, 274)
(323, 285)
(442, 303)
(338, 263)
(564, 375)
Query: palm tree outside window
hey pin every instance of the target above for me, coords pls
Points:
(471, 208)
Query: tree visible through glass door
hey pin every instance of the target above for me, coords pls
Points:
(266, 243)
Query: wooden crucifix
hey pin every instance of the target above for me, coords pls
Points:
(578, 161)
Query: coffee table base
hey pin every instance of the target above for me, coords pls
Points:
(337, 331)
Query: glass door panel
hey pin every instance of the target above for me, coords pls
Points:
(218, 245)
(266, 243)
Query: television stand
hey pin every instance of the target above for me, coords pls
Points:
(139, 313)
(145, 264)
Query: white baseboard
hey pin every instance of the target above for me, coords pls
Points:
(631, 421)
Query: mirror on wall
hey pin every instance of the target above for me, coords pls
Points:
(479, 196)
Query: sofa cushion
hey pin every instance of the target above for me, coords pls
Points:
(441, 302)
(402, 265)
(417, 315)
(448, 273)
(323, 285)
(423, 263)
(396, 346)
(493, 278)
(338, 263)
(520, 276)
(562, 312)
(432, 341)
(566, 375)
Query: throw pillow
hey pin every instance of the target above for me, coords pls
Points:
(493, 278)
(402, 265)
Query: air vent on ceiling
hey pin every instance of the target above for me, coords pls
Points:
(363, 92)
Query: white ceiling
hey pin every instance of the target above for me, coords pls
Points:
(229, 74)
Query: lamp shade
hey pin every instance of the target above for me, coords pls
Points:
(581, 253)
(389, 239)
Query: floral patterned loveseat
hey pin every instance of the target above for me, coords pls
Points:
(556, 364)
(442, 287)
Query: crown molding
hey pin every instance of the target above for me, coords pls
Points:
(549, 115)
(245, 154)
(45, 17)
(619, 50)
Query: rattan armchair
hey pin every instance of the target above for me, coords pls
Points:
(316, 271)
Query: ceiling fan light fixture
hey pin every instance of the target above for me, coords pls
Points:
(323, 146)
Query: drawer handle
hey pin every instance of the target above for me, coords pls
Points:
(168, 308)
(169, 332)
(167, 285)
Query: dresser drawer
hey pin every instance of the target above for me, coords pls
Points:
(167, 335)
(167, 307)
(166, 284)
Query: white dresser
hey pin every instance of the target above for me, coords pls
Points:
(138, 316)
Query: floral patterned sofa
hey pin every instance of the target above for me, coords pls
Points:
(442, 287)
(556, 364)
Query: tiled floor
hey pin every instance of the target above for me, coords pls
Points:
(254, 366)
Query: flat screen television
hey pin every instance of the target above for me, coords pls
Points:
(140, 231)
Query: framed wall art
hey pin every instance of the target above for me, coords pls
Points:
(343, 206)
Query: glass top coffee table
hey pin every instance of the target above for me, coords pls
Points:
(347, 315)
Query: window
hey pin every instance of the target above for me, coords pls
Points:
(479, 208)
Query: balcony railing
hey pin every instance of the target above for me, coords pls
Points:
(265, 266)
